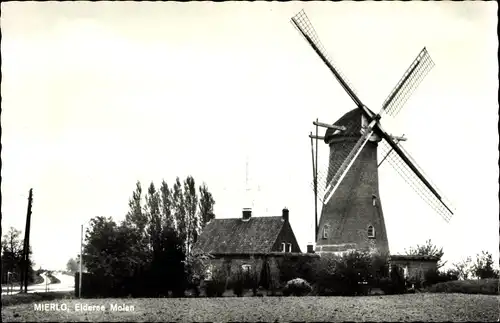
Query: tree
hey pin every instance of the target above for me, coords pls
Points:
(72, 266)
(428, 249)
(136, 220)
(483, 267)
(152, 213)
(135, 216)
(178, 209)
(463, 268)
(192, 218)
(168, 220)
(206, 205)
(12, 256)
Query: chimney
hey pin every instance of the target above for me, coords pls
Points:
(285, 214)
(310, 248)
(247, 213)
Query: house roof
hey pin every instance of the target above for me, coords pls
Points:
(237, 236)
(413, 257)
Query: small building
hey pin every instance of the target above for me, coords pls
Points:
(414, 265)
(249, 242)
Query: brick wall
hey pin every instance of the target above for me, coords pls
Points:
(414, 267)
(350, 210)
(231, 262)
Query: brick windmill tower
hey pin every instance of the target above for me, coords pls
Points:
(351, 215)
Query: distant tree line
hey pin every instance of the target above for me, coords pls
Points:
(148, 254)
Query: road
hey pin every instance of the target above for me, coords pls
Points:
(67, 284)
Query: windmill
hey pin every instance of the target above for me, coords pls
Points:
(351, 215)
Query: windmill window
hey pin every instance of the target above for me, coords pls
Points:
(289, 247)
(325, 232)
(374, 200)
(283, 245)
(371, 232)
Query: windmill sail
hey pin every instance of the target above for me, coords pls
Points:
(346, 165)
(413, 76)
(407, 168)
(301, 21)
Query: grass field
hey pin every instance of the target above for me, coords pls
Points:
(409, 307)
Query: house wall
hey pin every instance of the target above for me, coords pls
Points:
(415, 267)
(231, 262)
(286, 235)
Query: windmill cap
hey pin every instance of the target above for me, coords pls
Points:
(351, 120)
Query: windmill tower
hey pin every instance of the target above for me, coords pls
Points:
(351, 215)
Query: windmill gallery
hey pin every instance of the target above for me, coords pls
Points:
(351, 215)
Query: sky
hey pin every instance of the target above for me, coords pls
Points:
(96, 96)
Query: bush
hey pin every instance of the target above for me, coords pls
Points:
(252, 277)
(350, 274)
(238, 282)
(483, 267)
(293, 266)
(395, 284)
(216, 286)
(297, 287)
(481, 286)
(434, 276)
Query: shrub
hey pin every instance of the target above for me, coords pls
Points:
(481, 286)
(395, 284)
(297, 287)
(237, 282)
(216, 286)
(252, 277)
(293, 266)
(483, 267)
(195, 270)
(434, 276)
(350, 274)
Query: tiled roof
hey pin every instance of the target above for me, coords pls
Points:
(237, 236)
(413, 257)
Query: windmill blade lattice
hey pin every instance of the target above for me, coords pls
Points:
(302, 23)
(414, 182)
(413, 76)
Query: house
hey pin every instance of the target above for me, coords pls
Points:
(249, 242)
(248, 235)
(414, 265)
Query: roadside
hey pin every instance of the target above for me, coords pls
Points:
(50, 283)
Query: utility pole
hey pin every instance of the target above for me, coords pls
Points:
(316, 187)
(81, 262)
(26, 249)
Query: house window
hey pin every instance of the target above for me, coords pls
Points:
(325, 232)
(371, 231)
(289, 247)
(283, 245)
(246, 268)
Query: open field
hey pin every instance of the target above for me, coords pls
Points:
(409, 307)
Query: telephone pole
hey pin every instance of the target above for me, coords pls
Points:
(26, 249)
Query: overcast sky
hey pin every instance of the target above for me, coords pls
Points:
(96, 96)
